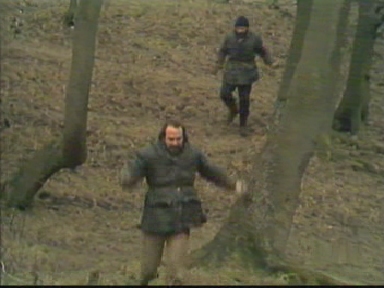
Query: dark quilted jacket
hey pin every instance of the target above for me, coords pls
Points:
(240, 67)
(171, 203)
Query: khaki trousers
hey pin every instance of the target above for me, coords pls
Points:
(153, 245)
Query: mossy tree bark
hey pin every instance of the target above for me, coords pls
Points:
(260, 221)
(70, 151)
(354, 106)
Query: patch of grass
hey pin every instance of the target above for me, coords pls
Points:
(150, 58)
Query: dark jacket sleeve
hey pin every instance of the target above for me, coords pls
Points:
(260, 49)
(214, 174)
(134, 170)
(222, 53)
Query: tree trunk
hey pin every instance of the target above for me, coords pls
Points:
(71, 151)
(354, 105)
(32, 175)
(259, 223)
(69, 17)
(303, 14)
(76, 101)
(341, 40)
(294, 52)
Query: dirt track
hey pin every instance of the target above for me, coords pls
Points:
(151, 64)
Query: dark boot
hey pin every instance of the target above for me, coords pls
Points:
(232, 112)
(244, 129)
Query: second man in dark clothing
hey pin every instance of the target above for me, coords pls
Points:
(239, 48)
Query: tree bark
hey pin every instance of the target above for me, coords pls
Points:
(353, 108)
(76, 101)
(33, 174)
(341, 40)
(294, 52)
(260, 221)
(303, 14)
(71, 150)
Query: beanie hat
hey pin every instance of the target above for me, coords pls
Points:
(242, 22)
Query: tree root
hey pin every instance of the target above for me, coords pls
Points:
(225, 245)
(217, 255)
(33, 174)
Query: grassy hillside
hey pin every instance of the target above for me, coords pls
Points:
(153, 60)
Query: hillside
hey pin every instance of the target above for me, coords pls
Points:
(153, 61)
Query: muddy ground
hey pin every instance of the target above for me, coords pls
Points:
(152, 62)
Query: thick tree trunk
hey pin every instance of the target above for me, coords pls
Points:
(341, 40)
(259, 223)
(76, 101)
(33, 174)
(294, 52)
(303, 14)
(354, 105)
(71, 151)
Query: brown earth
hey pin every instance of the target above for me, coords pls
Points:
(153, 61)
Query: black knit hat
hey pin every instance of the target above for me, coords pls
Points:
(242, 22)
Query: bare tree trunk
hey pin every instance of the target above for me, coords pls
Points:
(32, 175)
(71, 150)
(342, 36)
(259, 223)
(76, 101)
(303, 15)
(354, 105)
(294, 52)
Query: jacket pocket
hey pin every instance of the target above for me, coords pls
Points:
(241, 74)
(160, 198)
(253, 74)
(192, 212)
(160, 213)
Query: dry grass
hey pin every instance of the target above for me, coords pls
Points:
(153, 61)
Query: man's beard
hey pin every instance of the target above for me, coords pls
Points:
(175, 150)
(241, 35)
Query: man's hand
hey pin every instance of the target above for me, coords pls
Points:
(241, 187)
(126, 181)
